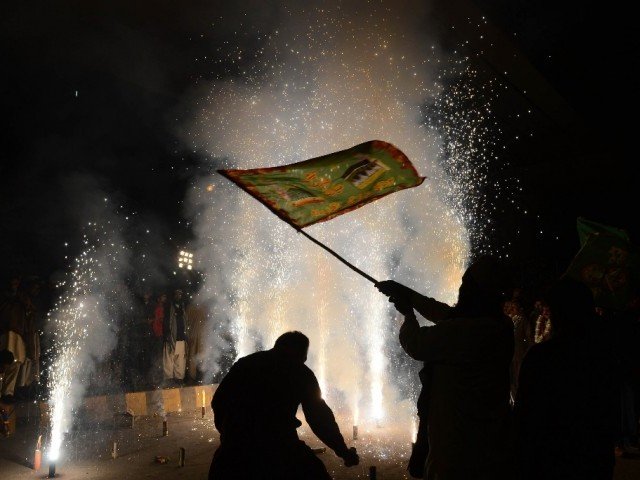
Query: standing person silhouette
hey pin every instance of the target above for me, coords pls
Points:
(465, 393)
(174, 330)
(566, 407)
(255, 409)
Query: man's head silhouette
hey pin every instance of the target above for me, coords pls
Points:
(485, 286)
(294, 345)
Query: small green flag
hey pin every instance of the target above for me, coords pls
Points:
(586, 228)
(322, 188)
(609, 264)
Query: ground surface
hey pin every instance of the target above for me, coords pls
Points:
(87, 453)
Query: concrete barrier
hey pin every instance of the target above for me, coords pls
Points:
(102, 408)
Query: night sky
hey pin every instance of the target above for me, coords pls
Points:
(92, 97)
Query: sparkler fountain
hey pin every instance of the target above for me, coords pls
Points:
(337, 78)
(327, 84)
(82, 327)
(72, 316)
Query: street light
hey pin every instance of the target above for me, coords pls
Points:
(185, 260)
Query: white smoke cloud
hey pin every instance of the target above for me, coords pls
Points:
(84, 322)
(322, 80)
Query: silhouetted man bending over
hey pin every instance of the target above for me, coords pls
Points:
(255, 409)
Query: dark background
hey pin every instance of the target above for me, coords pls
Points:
(588, 54)
(130, 63)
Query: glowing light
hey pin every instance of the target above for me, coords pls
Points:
(185, 260)
(328, 86)
(90, 289)
(414, 430)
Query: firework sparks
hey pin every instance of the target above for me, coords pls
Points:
(82, 325)
(333, 80)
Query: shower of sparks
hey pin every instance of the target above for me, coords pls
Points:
(320, 299)
(465, 135)
(82, 325)
(323, 81)
(414, 430)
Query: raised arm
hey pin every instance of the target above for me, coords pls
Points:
(428, 307)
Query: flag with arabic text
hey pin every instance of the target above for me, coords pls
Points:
(324, 187)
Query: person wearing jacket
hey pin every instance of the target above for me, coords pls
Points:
(467, 354)
(567, 407)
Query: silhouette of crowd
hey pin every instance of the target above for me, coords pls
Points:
(520, 388)
(22, 321)
(159, 340)
(515, 384)
(513, 387)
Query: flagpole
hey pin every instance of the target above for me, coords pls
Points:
(351, 266)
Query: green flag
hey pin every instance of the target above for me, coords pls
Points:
(609, 264)
(586, 228)
(322, 188)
